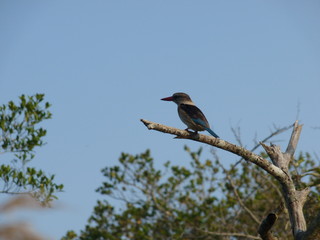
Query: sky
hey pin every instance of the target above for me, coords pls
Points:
(104, 65)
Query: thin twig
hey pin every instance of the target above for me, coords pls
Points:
(277, 132)
(251, 214)
(237, 135)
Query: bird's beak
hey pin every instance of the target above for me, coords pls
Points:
(167, 99)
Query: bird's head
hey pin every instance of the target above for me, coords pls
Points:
(179, 98)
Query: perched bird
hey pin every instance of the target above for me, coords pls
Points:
(190, 114)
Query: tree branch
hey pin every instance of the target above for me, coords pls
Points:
(278, 131)
(235, 192)
(294, 199)
(265, 227)
(219, 143)
(268, 222)
(294, 139)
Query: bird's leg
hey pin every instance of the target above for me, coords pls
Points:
(192, 132)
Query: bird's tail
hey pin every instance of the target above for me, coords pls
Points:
(203, 124)
(212, 133)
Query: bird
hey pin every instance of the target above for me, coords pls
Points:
(190, 114)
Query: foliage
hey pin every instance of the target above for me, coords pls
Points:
(202, 201)
(20, 134)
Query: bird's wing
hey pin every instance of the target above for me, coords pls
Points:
(195, 114)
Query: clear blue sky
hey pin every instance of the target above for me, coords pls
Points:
(105, 64)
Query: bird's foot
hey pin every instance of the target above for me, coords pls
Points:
(191, 132)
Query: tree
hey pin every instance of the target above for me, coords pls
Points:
(203, 201)
(21, 134)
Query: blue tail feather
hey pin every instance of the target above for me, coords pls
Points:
(212, 133)
(202, 123)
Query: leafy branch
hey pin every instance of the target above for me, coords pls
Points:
(20, 134)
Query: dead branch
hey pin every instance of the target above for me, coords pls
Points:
(294, 199)
(265, 227)
(294, 139)
(268, 222)
(219, 143)
(279, 168)
(276, 132)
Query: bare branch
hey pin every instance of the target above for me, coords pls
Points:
(294, 199)
(237, 134)
(276, 156)
(219, 143)
(269, 221)
(278, 131)
(251, 214)
(294, 139)
(266, 225)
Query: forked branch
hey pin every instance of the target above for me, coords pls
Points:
(219, 143)
(279, 168)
